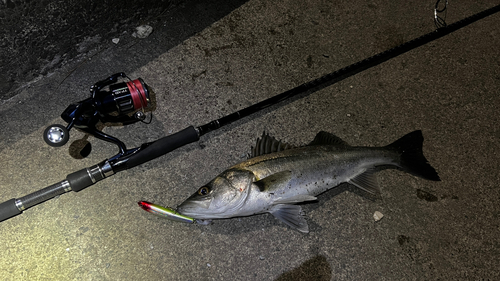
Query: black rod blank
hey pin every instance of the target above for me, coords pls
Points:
(348, 71)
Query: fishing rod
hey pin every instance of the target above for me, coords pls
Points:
(136, 90)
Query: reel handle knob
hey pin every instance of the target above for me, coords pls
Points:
(56, 135)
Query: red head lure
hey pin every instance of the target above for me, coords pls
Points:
(164, 212)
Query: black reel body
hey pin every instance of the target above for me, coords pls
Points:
(110, 102)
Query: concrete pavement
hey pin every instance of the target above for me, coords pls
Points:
(448, 88)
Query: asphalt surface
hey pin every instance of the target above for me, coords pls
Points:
(204, 61)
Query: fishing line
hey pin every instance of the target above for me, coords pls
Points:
(440, 21)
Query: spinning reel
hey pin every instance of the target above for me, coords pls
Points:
(110, 102)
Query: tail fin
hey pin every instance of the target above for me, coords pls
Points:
(412, 158)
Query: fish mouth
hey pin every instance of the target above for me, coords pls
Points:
(205, 208)
(194, 209)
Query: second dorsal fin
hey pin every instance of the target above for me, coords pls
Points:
(267, 144)
(324, 138)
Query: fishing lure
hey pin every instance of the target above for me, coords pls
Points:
(164, 212)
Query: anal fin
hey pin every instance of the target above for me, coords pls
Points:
(292, 215)
(367, 181)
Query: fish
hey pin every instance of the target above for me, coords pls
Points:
(278, 176)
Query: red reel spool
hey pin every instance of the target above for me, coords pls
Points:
(139, 93)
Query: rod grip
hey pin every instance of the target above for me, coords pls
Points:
(8, 209)
(79, 180)
(163, 146)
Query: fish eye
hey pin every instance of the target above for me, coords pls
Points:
(203, 190)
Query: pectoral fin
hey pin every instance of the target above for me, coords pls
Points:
(270, 182)
(291, 215)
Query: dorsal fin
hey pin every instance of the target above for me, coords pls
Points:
(323, 138)
(267, 144)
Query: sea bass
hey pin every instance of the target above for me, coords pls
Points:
(278, 176)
